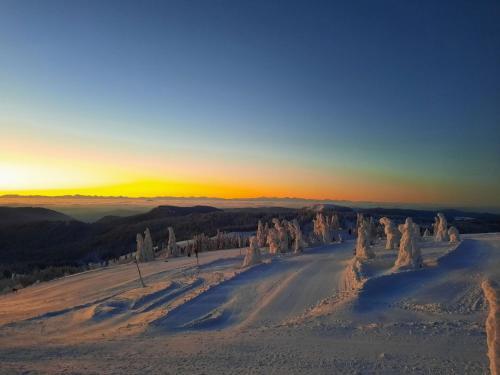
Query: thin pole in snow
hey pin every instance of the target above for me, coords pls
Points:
(140, 276)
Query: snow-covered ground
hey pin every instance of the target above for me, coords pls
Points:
(318, 312)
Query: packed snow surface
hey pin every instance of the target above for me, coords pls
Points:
(321, 312)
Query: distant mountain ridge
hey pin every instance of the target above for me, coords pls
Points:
(158, 213)
(17, 215)
(35, 238)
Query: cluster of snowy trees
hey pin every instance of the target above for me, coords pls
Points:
(407, 234)
(222, 240)
(199, 243)
(441, 231)
(284, 236)
(406, 237)
(145, 252)
(325, 228)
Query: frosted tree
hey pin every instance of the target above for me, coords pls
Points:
(273, 241)
(417, 232)
(139, 254)
(148, 245)
(281, 229)
(335, 222)
(409, 252)
(491, 294)
(172, 249)
(435, 226)
(145, 251)
(427, 234)
(298, 241)
(321, 226)
(391, 233)
(261, 234)
(363, 250)
(253, 253)
(441, 228)
(359, 220)
(453, 234)
(372, 231)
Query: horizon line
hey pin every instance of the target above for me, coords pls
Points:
(321, 200)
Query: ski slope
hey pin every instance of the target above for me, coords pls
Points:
(290, 314)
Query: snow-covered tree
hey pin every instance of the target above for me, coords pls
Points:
(145, 251)
(281, 229)
(148, 245)
(273, 241)
(261, 234)
(363, 250)
(427, 234)
(372, 230)
(441, 228)
(253, 253)
(491, 293)
(391, 233)
(321, 227)
(298, 241)
(416, 229)
(172, 249)
(409, 252)
(139, 254)
(453, 234)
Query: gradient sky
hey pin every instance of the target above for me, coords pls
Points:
(361, 100)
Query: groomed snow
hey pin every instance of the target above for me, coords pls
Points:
(322, 311)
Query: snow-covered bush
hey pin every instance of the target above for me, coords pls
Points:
(453, 234)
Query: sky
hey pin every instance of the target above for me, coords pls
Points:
(390, 101)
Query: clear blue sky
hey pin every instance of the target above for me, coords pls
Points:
(394, 93)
